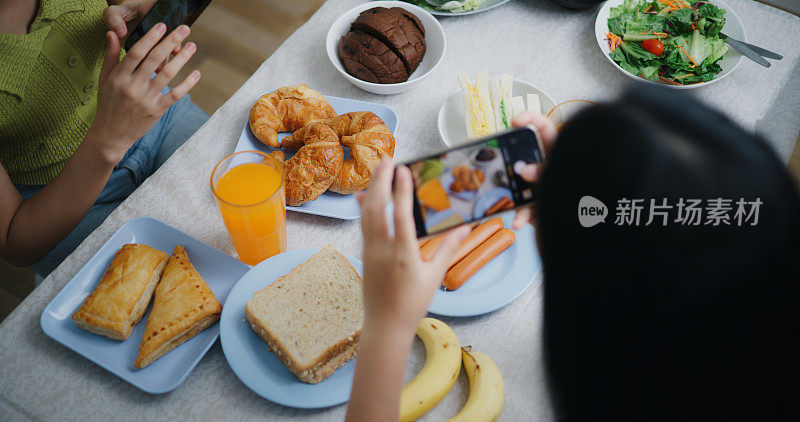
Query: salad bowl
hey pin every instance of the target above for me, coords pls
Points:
(730, 60)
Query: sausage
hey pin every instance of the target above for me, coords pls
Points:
(429, 248)
(481, 233)
(504, 203)
(477, 259)
(422, 242)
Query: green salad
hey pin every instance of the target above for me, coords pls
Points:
(675, 42)
(451, 6)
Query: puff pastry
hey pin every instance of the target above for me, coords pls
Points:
(184, 306)
(121, 297)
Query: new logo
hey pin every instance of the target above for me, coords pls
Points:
(591, 211)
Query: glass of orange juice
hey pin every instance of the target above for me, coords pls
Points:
(248, 187)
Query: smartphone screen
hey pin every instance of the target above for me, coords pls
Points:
(172, 13)
(473, 181)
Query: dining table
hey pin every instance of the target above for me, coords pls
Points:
(536, 41)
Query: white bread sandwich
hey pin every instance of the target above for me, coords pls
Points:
(312, 317)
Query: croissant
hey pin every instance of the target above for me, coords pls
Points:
(368, 138)
(316, 164)
(287, 109)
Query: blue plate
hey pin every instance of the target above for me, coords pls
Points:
(329, 204)
(496, 284)
(249, 356)
(165, 374)
(488, 199)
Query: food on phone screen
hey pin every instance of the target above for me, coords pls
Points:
(432, 195)
(183, 306)
(384, 45)
(286, 109)
(476, 237)
(485, 155)
(503, 204)
(312, 317)
(478, 258)
(121, 297)
(465, 178)
(431, 169)
(489, 104)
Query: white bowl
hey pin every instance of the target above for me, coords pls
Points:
(434, 41)
(730, 61)
(452, 128)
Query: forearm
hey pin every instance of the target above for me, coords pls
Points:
(43, 220)
(378, 382)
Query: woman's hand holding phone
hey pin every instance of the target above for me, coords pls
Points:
(398, 284)
(129, 101)
(122, 18)
(530, 172)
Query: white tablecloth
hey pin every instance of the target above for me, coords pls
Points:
(536, 41)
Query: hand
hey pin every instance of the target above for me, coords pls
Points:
(398, 284)
(530, 172)
(124, 17)
(130, 102)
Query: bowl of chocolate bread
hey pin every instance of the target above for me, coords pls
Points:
(385, 47)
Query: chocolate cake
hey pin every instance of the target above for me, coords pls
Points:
(383, 45)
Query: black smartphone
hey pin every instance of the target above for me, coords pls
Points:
(172, 13)
(473, 181)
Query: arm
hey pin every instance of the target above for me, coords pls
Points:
(129, 104)
(398, 287)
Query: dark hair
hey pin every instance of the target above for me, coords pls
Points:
(674, 322)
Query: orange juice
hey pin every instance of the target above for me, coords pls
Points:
(253, 207)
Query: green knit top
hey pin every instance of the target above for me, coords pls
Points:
(48, 88)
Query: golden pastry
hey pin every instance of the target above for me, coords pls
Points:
(184, 306)
(316, 165)
(287, 109)
(120, 299)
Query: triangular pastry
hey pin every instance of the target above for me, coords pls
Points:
(184, 306)
(121, 297)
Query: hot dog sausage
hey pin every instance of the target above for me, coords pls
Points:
(504, 203)
(487, 251)
(481, 233)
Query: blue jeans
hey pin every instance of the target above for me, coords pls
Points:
(180, 121)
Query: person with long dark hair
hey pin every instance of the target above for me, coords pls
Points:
(661, 312)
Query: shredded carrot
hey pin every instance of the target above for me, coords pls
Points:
(614, 41)
(688, 74)
(642, 33)
(661, 34)
(669, 81)
(687, 55)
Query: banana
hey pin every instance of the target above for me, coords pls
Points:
(442, 366)
(486, 390)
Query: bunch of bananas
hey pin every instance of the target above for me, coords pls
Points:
(443, 362)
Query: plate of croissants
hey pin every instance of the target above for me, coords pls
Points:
(328, 145)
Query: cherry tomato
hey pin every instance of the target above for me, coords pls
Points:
(654, 46)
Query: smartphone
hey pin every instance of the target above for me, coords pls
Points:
(172, 13)
(473, 181)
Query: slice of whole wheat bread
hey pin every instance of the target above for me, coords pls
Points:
(311, 318)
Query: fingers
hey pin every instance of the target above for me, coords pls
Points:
(528, 172)
(523, 216)
(173, 67)
(444, 255)
(111, 58)
(545, 127)
(180, 90)
(161, 52)
(404, 228)
(115, 21)
(373, 204)
(139, 51)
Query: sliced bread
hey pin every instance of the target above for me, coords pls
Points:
(312, 317)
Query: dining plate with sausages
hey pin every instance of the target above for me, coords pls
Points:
(497, 283)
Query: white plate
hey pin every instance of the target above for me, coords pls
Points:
(329, 204)
(249, 356)
(435, 45)
(451, 123)
(165, 374)
(497, 284)
(730, 61)
(487, 5)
